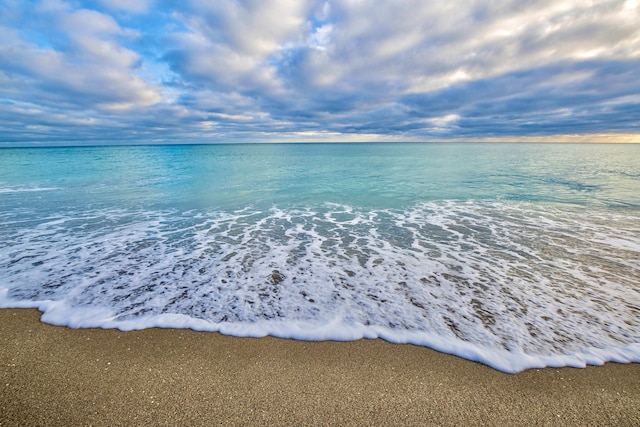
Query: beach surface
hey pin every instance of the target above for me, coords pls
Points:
(59, 376)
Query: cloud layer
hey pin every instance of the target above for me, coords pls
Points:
(113, 71)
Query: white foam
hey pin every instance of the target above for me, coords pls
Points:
(514, 286)
(17, 189)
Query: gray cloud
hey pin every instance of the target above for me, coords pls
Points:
(244, 70)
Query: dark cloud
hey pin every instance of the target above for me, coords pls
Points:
(543, 100)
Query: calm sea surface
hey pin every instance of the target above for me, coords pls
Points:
(515, 255)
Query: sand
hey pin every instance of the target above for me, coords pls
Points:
(59, 376)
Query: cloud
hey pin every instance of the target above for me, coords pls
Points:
(231, 45)
(131, 6)
(541, 100)
(76, 61)
(281, 69)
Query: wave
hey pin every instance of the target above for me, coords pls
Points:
(513, 285)
(6, 190)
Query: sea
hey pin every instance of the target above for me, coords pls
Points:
(514, 255)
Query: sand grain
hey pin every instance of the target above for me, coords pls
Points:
(59, 376)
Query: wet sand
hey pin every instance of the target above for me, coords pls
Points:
(59, 376)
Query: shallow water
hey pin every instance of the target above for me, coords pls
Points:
(517, 256)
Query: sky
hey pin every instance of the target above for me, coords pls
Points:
(215, 71)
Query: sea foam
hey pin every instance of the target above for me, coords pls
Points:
(511, 284)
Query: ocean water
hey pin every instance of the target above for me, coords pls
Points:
(514, 255)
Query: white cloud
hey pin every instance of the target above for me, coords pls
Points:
(321, 37)
(49, 6)
(444, 122)
(132, 6)
(419, 48)
(325, 67)
(89, 68)
(250, 27)
(84, 22)
(234, 43)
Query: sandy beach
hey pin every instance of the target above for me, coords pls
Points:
(60, 376)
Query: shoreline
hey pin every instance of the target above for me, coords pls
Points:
(54, 375)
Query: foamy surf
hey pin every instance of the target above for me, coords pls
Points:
(513, 285)
(17, 189)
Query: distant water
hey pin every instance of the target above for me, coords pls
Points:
(514, 255)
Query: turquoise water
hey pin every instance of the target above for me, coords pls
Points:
(367, 175)
(516, 255)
